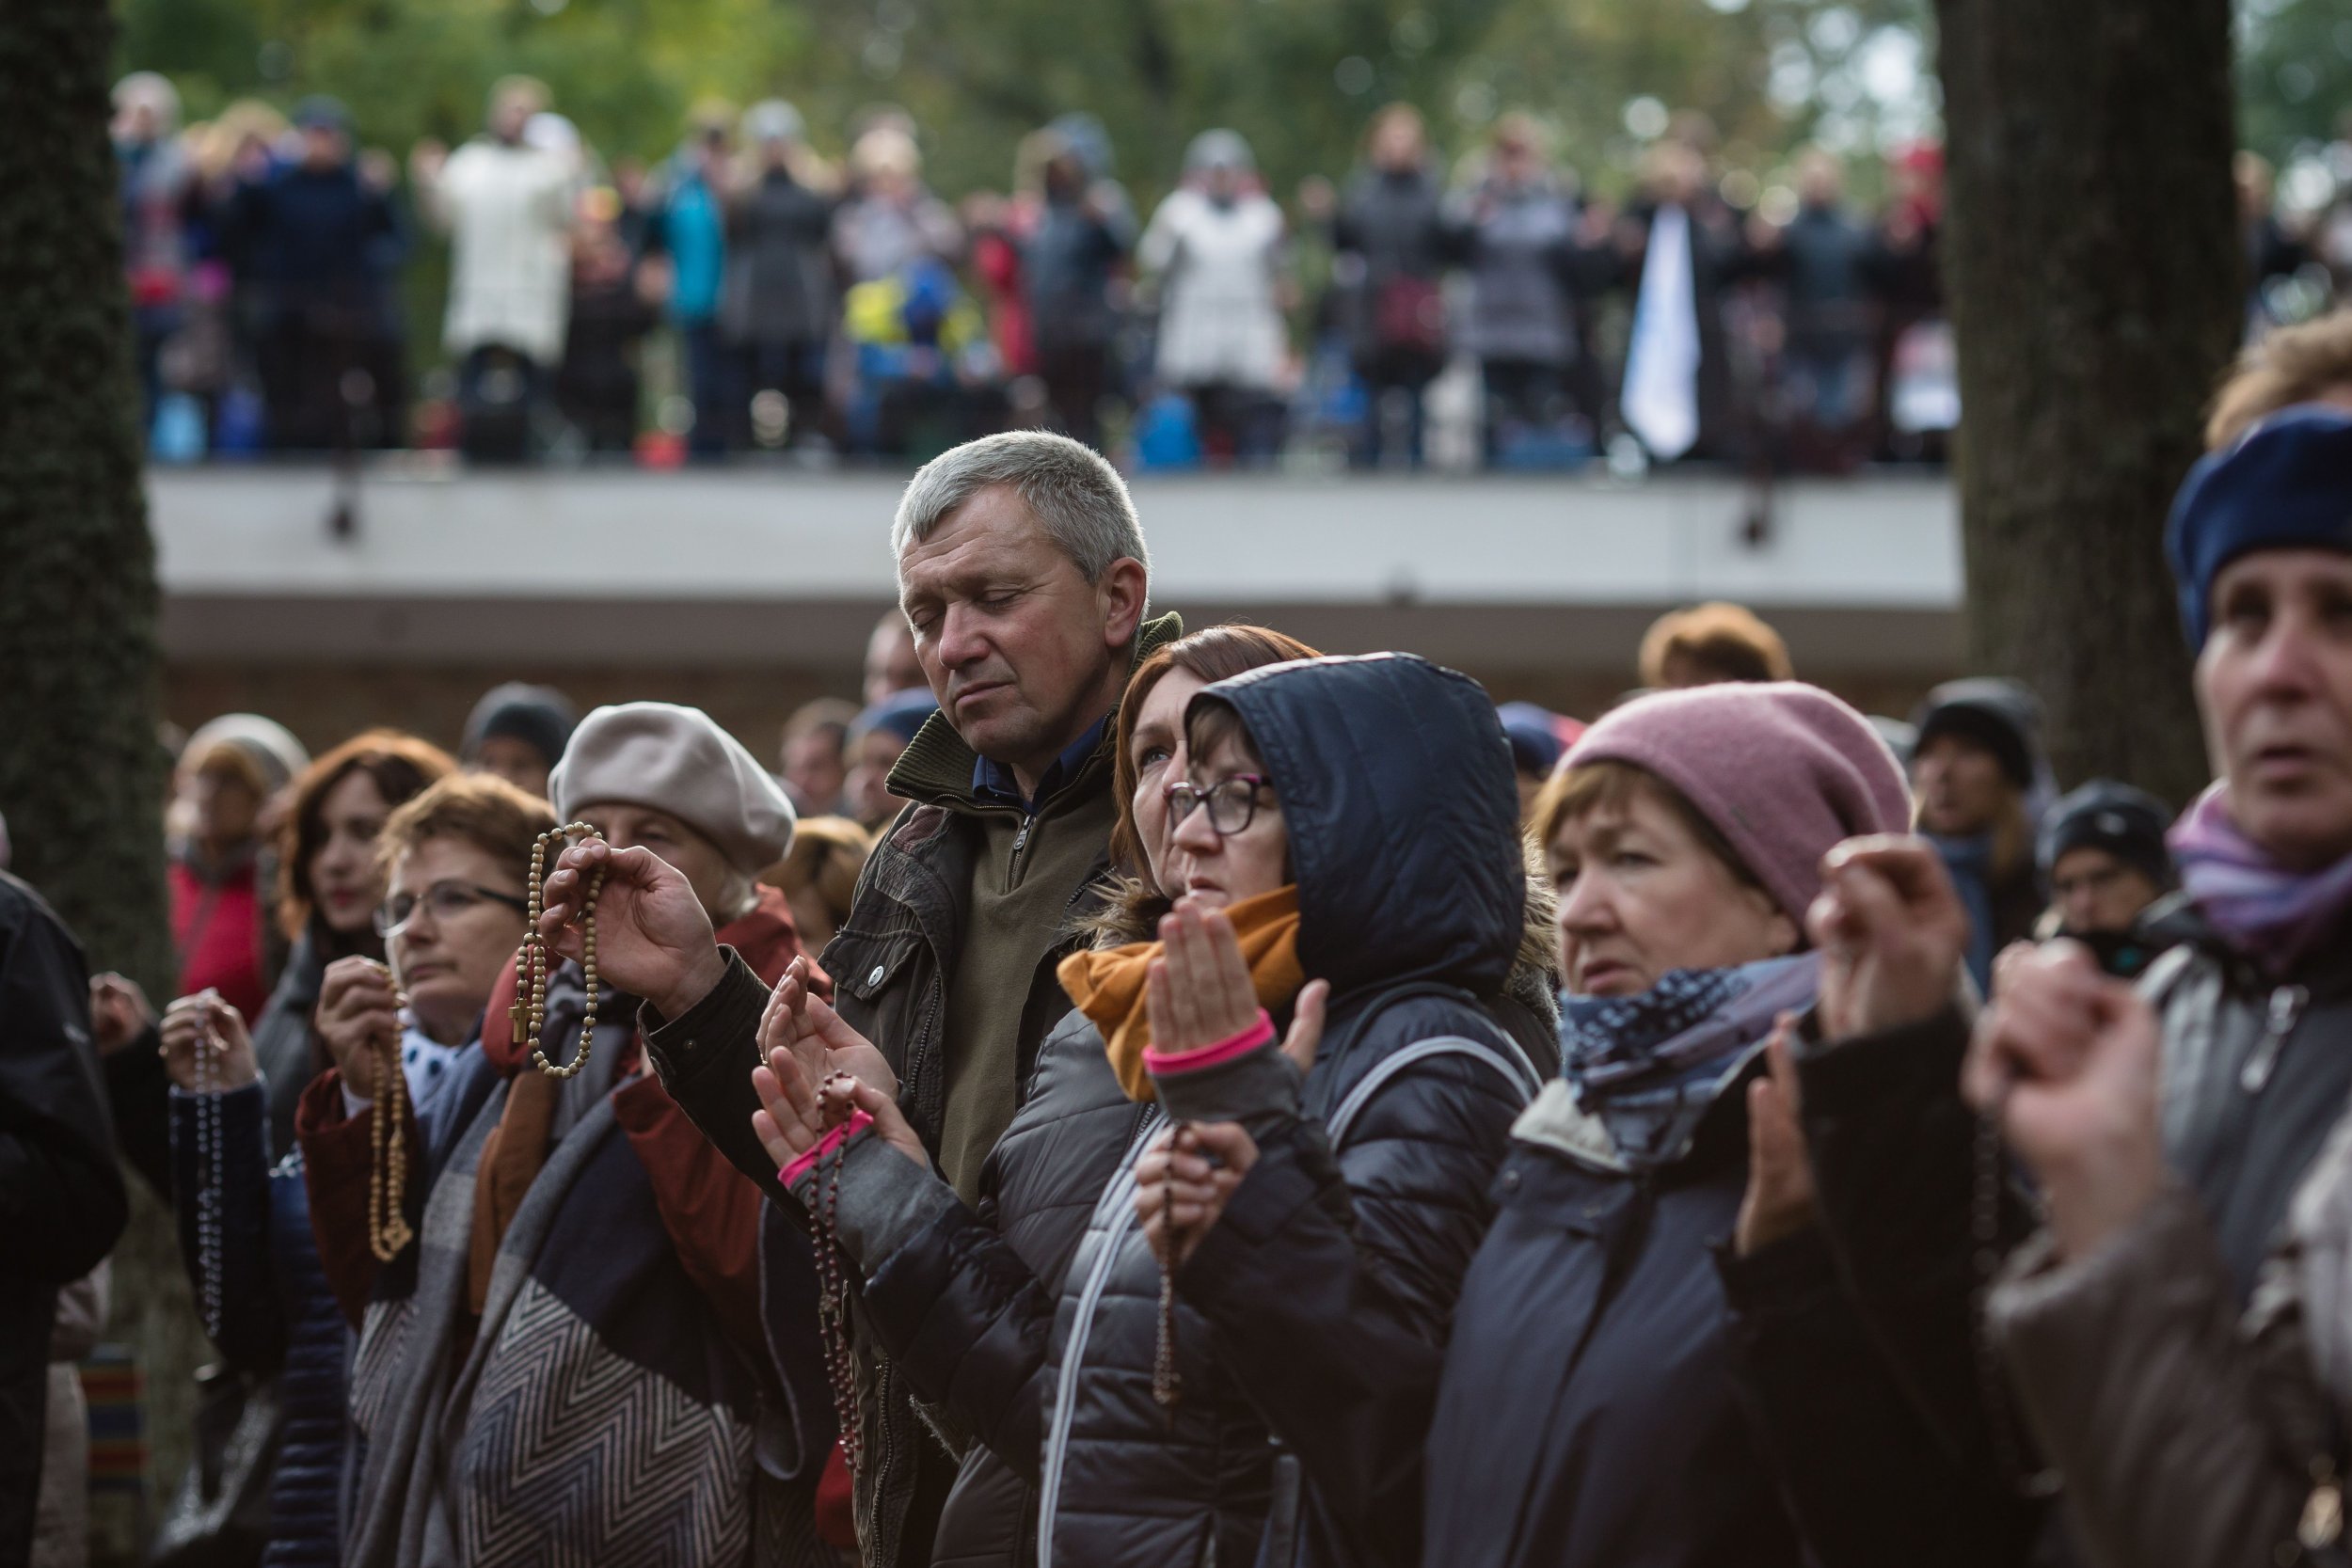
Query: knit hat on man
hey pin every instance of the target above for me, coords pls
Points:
(538, 716)
(2285, 484)
(2002, 716)
(1535, 738)
(902, 713)
(2127, 823)
(675, 759)
(1784, 771)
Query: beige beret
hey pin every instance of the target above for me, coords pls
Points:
(677, 759)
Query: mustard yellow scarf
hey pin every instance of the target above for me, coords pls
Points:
(1109, 986)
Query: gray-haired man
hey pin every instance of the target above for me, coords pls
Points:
(1023, 573)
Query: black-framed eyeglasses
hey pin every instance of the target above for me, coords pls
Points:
(445, 900)
(1232, 802)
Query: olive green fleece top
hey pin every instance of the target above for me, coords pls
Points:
(1026, 882)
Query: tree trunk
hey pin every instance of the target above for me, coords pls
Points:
(81, 773)
(2094, 271)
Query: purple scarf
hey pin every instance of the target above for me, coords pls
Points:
(2271, 914)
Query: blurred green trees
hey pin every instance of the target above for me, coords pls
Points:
(1299, 77)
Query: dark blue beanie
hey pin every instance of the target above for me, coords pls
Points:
(1534, 744)
(538, 716)
(901, 713)
(2129, 824)
(2286, 484)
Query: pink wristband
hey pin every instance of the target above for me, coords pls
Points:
(826, 1145)
(1161, 1063)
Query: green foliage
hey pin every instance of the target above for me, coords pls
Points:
(2294, 73)
(625, 70)
(1299, 77)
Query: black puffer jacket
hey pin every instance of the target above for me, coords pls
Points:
(967, 1302)
(1404, 840)
(1055, 1381)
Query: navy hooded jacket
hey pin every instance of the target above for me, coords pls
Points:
(1330, 1280)
(1033, 1324)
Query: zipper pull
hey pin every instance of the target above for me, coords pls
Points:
(1021, 839)
(2287, 1008)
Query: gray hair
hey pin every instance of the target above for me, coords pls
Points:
(1078, 498)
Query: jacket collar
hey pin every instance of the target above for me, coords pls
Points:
(937, 769)
(1555, 1120)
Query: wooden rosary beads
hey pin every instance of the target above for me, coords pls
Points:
(1166, 1385)
(533, 959)
(210, 1047)
(387, 1152)
(833, 1306)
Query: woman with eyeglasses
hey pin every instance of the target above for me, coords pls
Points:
(457, 860)
(1270, 805)
(230, 1123)
(574, 1233)
(1578, 1407)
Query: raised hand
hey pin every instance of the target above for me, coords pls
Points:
(653, 939)
(809, 1059)
(1779, 1200)
(790, 1120)
(844, 1093)
(1198, 991)
(2072, 1059)
(1892, 933)
(187, 1023)
(1184, 1180)
(118, 1011)
(1305, 1030)
(799, 1020)
(358, 1009)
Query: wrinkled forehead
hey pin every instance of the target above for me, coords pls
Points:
(992, 535)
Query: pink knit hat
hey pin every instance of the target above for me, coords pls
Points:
(1784, 770)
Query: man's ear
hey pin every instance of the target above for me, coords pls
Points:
(1120, 594)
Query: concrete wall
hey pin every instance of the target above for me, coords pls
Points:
(746, 592)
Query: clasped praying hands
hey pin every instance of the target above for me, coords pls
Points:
(1198, 992)
(816, 1071)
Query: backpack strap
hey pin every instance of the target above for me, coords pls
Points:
(1502, 1053)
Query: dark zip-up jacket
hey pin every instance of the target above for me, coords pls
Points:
(1587, 1417)
(2256, 1072)
(891, 960)
(1335, 1269)
(62, 1204)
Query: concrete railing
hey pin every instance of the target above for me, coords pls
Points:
(741, 567)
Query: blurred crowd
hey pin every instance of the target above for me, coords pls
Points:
(746, 294)
(1115, 1095)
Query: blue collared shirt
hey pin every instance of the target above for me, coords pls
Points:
(993, 783)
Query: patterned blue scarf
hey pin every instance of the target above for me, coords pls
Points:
(1649, 1065)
